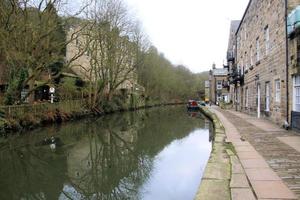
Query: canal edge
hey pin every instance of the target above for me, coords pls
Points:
(224, 177)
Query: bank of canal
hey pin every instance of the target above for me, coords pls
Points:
(157, 153)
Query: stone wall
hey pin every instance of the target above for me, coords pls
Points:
(269, 64)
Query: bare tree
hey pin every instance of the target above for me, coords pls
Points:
(112, 40)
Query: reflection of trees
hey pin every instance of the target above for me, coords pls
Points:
(23, 176)
(104, 165)
(105, 158)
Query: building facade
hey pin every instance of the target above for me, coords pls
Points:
(234, 82)
(218, 85)
(260, 72)
(207, 91)
(85, 67)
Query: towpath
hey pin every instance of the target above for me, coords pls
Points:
(270, 156)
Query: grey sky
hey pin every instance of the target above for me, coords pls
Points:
(190, 32)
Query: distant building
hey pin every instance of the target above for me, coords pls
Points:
(207, 91)
(219, 87)
(84, 67)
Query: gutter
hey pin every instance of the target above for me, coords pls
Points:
(287, 62)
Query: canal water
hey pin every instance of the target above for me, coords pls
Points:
(153, 154)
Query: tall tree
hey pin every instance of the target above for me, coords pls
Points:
(32, 40)
(112, 48)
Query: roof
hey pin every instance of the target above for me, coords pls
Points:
(220, 72)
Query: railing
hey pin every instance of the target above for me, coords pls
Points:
(236, 77)
(19, 110)
(230, 56)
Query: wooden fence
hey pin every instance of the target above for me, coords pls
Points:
(19, 110)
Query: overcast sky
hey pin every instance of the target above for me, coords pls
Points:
(189, 32)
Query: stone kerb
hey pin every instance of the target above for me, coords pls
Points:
(216, 179)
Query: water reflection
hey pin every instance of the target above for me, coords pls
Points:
(150, 154)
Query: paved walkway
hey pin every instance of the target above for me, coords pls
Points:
(269, 155)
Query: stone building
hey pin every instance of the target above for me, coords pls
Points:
(206, 91)
(218, 83)
(83, 65)
(261, 66)
(231, 59)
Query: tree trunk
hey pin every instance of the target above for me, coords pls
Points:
(31, 90)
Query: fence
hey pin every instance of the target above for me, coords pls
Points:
(19, 110)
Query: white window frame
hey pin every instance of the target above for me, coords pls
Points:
(257, 50)
(247, 97)
(277, 91)
(251, 56)
(242, 67)
(219, 86)
(268, 96)
(296, 96)
(246, 63)
(267, 39)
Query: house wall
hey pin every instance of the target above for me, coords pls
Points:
(271, 65)
(81, 66)
(213, 87)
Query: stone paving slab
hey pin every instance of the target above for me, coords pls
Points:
(272, 190)
(254, 163)
(241, 143)
(239, 181)
(249, 155)
(236, 167)
(242, 194)
(244, 148)
(262, 175)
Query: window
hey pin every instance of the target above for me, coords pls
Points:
(247, 98)
(233, 49)
(297, 93)
(251, 56)
(277, 91)
(219, 85)
(246, 61)
(242, 67)
(267, 96)
(267, 39)
(257, 50)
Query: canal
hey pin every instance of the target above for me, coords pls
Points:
(153, 154)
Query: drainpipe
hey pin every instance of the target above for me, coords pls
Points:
(235, 65)
(287, 62)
